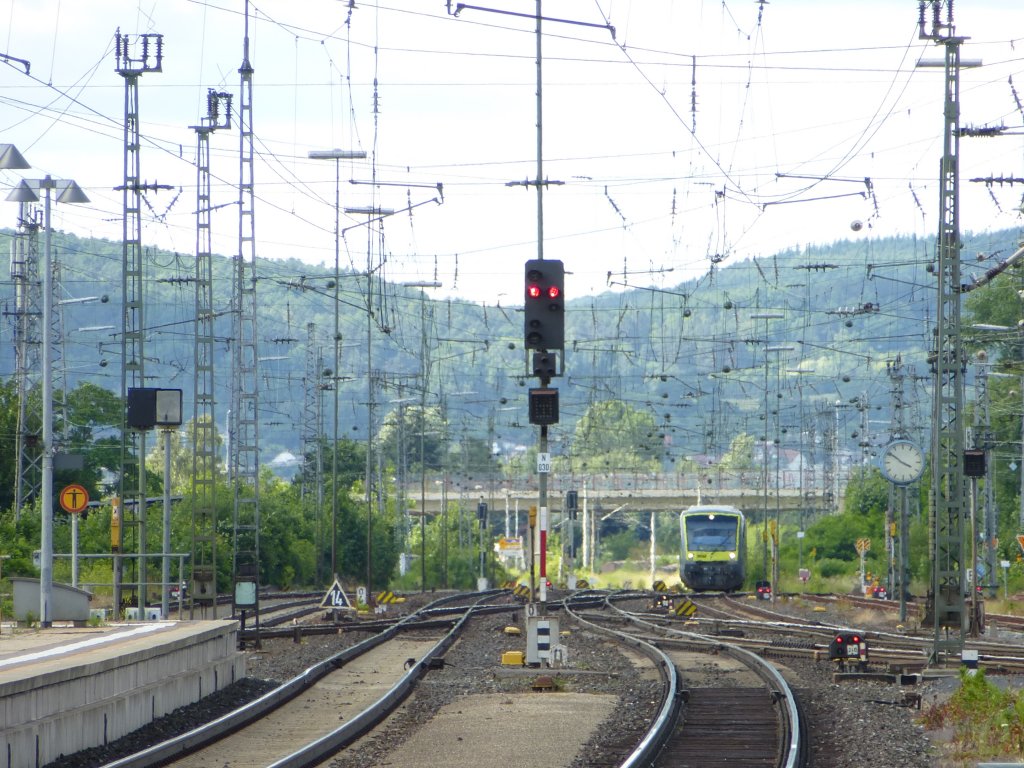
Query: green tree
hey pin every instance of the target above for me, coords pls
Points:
(473, 457)
(93, 429)
(740, 455)
(411, 436)
(999, 303)
(614, 436)
(863, 516)
(182, 450)
(8, 442)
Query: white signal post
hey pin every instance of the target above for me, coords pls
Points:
(543, 554)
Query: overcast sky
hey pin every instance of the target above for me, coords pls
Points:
(699, 132)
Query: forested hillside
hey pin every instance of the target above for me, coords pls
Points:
(701, 356)
(801, 353)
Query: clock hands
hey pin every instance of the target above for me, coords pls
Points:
(901, 461)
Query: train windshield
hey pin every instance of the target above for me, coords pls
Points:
(711, 533)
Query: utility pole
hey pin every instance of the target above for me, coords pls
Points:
(897, 514)
(766, 316)
(204, 418)
(312, 488)
(982, 443)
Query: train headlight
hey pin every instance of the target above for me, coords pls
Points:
(732, 555)
(689, 555)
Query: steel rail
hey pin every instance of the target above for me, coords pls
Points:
(793, 750)
(327, 745)
(198, 738)
(668, 713)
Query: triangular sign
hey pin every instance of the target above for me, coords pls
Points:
(336, 597)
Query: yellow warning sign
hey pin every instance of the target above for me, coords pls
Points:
(660, 586)
(582, 584)
(521, 590)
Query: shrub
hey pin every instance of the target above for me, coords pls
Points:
(829, 567)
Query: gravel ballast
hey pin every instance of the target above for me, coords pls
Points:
(851, 724)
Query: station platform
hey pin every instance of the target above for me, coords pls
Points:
(64, 689)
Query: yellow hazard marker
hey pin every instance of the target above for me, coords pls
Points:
(686, 609)
(659, 586)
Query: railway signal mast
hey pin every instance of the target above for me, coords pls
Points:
(544, 334)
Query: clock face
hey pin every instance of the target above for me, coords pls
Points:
(902, 462)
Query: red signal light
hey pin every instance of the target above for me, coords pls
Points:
(553, 292)
(533, 291)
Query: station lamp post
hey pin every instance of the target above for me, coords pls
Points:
(28, 191)
(337, 155)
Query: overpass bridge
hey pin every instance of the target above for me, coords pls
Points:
(750, 500)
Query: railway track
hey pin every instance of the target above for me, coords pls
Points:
(908, 648)
(734, 707)
(317, 713)
(703, 699)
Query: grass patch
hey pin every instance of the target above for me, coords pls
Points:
(984, 720)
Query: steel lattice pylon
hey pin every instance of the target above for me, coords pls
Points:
(946, 604)
(27, 316)
(204, 422)
(244, 428)
(135, 55)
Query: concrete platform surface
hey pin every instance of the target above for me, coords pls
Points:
(63, 689)
(548, 729)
